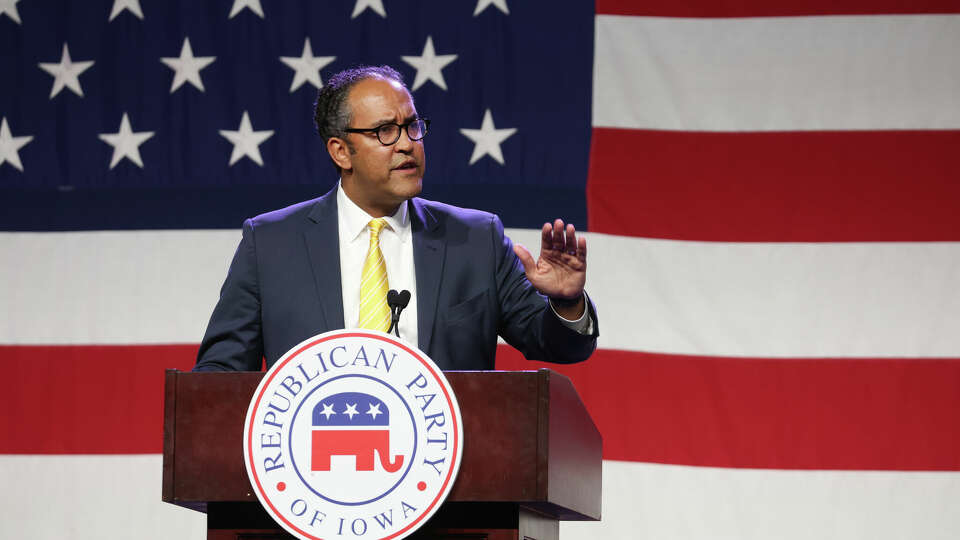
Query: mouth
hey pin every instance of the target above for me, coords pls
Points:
(406, 165)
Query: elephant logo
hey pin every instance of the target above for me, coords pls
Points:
(352, 424)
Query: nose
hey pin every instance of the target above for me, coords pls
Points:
(403, 144)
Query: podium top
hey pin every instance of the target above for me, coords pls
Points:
(527, 439)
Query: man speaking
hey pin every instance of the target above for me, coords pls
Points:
(328, 263)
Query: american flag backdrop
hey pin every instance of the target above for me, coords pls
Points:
(771, 190)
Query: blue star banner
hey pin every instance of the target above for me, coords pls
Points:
(140, 114)
(351, 409)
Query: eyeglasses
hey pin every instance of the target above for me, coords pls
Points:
(389, 134)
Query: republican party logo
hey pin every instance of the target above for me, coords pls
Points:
(353, 434)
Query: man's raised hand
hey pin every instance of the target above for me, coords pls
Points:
(561, 270)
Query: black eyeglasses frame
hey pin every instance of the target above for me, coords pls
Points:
(400, 128)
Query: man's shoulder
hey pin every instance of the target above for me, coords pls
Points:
(291, 215)
(448, 213)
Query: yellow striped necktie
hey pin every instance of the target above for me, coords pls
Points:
(374, 311)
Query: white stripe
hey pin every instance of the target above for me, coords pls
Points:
(363, 323)
(53, 497)
(111, 287)
(376, 286)
(378, 263)
(774, 299)
(725, 299)
(370, 321)
(789, 73)
(90, 497)
(667, 502)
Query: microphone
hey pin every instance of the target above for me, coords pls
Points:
(397, 301)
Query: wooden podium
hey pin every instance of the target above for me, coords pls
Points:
(531, 456)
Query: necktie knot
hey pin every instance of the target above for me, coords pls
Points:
(376, 225)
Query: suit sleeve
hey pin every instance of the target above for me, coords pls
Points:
(233, 340)
(526, 320)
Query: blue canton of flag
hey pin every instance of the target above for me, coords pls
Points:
(143, 114)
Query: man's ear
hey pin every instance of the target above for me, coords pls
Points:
(339, 152)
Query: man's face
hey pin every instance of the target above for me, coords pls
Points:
(380, 177)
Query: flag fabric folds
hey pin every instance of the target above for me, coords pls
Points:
(770, 192)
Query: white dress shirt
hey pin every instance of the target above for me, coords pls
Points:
(396, 244)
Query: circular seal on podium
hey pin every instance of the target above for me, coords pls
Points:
(353, 433)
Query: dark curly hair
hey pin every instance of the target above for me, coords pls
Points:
(331, 113)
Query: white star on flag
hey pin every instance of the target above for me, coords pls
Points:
(252, 5)
(133, 6)
(375, 5)
(374, 411)
(428, 65)
(9, 8)
(187, 67)
(126, 143)
(487, 139)
(10, 145)
(306, 66)
(328, 411)
(484, 4)
(351, 411)
(66, 73)
(246, 141)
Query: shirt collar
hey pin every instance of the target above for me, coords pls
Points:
(354, 220)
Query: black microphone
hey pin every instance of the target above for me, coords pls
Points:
(397, 301)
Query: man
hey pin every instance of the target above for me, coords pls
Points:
(326, 264)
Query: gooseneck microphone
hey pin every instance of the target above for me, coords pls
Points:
(397, 301)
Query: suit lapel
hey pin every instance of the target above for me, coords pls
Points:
(428, 250)
(322, 237)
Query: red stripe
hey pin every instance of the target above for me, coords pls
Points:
(865, 414)
(881, 414)
(776, 186)
(86, 399)
(761, 8)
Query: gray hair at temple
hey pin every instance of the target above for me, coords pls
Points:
(331, 113)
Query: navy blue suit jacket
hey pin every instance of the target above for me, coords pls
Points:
(284, 287)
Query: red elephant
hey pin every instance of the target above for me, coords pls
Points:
(359, 443)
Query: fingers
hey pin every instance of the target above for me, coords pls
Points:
(546, 237)
(571, 246)
(529, 265)
(563, 239)
(558, 241)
